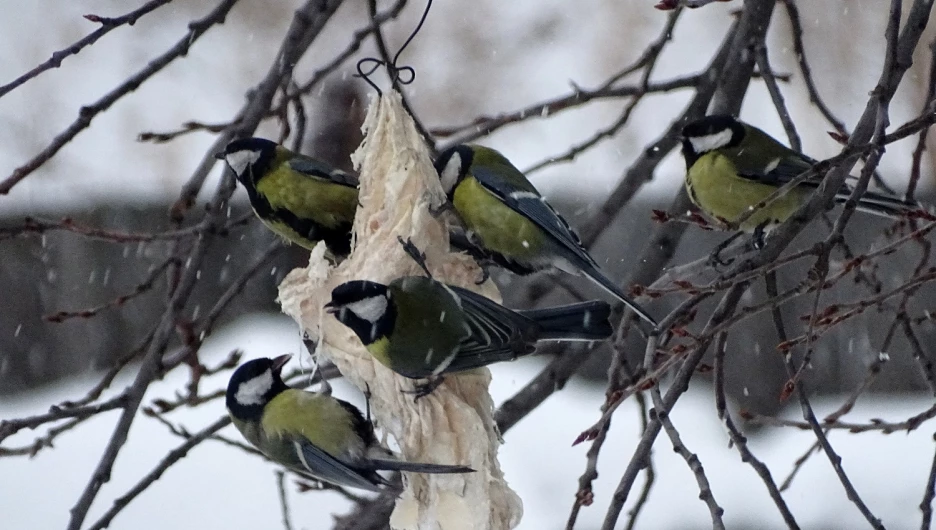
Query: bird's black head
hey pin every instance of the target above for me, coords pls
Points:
(365, 307)
(452, 166)
(253, 385)
(249, 158)
(708, 134)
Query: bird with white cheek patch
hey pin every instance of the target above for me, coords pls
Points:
(298, 197)
(312, 434)
(421, 328)
(506, 217)
(732, 166)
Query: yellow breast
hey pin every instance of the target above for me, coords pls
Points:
(715, 187)
(499, 228)
(317, 418)
(324, 202)
(380, 349)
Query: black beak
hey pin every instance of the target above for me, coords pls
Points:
(219, 155)
(280, 362)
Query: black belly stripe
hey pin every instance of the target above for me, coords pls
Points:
(337, 239)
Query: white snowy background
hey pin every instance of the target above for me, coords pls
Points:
(479, 57)
(217, 486)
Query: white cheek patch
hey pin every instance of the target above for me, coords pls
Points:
(369, 309)
(239, 160)
(704, 144)
(251, 392)
(449, 176)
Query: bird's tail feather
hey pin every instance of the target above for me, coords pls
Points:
(417, 467)
(605, 283)
(885, 205)
(582, 321)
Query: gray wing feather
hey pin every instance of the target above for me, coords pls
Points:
(316, 169)
(496, 333)
(535, 209)
(787, 169)
(323, 466)
(791, 167)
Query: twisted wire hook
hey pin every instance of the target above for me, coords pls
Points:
(399, 75)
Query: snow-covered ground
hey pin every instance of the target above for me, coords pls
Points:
(220, 487)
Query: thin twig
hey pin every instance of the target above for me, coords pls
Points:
(739, 441)
(284, 504)
(647, 63)
(306, 25)
(550, 380)
(926, 505)
(11, 427)
(485, 125)
(170, 459)
(107, 24)
(763, 63)
(796, 29)
(620, 376)
(875, 424)
(649, 471)
(692, 460)
(87, 113)
(141, 288)
(927, 107)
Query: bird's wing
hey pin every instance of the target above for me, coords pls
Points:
(496, 333)
(315, 169)
(535, 208)
(322, 465)
(779, 170)
(791, 164)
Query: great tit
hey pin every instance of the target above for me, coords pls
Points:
(312, 434)
(298, 197)
(732, 166)
(421, 328)
(508, 218)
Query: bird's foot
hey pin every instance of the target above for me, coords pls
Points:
(715, 260)
(760, 236)
(417, 255)
(367, 396)
(311, 345)
(424, 389)
(484, 275)
(437, 211)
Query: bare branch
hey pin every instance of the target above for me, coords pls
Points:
(306, 25)
(107, 24)
(11, 427)
(692, 460)
(284, 505)
(88, 112)
(926, 506)
(171, 458)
